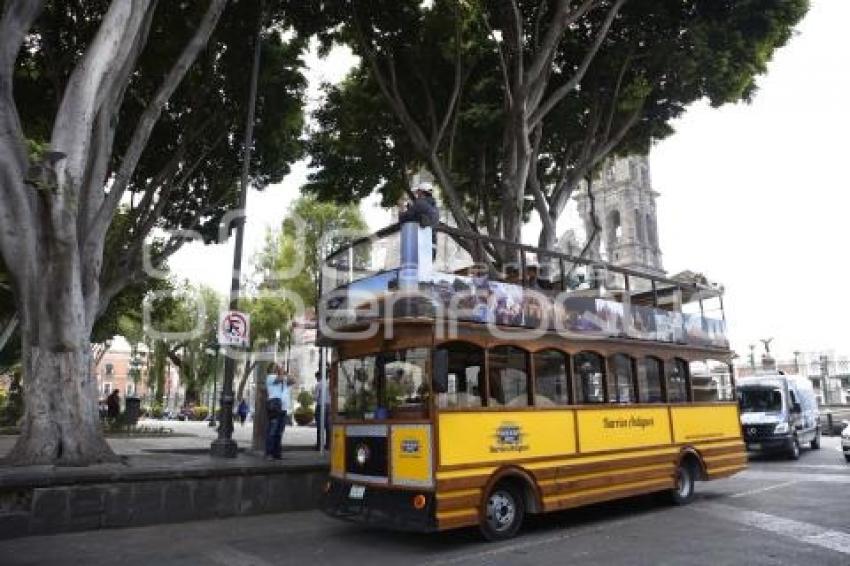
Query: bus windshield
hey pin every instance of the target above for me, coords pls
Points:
(760, 399)
(379, 386)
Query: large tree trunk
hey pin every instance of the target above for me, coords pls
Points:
(61, 423)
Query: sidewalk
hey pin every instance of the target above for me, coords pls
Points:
(161, 480)
(190, 437)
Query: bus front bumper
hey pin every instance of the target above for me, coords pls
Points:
(379, 506)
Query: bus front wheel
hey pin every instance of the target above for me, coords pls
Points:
(504, 510)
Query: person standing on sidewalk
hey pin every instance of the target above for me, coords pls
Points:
(242, 411)
(277, 407)
(113, 405)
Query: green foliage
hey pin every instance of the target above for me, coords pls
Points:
(305, 399)
(12, 403)
(657, 58)
(200, 412)
(304, 416)
(154, 411)
(297, 253)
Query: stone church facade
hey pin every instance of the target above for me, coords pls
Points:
(626, 214)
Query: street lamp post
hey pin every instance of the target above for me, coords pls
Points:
(224, 446)
(212, 350)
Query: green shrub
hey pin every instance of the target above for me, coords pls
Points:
(305, 399)
(200, 412)
(154, 411)
(12, 406)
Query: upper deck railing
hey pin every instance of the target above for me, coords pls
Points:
(472, 277)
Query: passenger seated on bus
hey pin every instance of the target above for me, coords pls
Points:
(511, 274)
(531, 277)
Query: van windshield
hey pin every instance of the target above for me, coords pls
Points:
(760, 400)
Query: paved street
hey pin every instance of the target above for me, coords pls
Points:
(778, 512)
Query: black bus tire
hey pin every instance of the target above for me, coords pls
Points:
(683, 492)
(503, 512)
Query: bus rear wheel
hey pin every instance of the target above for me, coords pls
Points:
(683, 493)
(503, 513)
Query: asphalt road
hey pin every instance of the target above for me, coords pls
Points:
(777, 512)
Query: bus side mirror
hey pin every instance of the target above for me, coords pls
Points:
(440, 371)
(796, 408)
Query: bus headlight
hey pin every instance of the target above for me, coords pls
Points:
(362, 454)
(781, 428)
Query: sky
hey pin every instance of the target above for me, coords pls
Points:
(752, 195)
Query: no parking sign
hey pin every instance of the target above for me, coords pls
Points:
(234, 329)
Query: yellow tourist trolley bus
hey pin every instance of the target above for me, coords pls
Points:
(486, 381)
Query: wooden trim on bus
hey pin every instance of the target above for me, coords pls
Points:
(576, 500)
(457, 519)
(673, 448)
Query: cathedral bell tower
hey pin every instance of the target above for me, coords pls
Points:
(626, 213)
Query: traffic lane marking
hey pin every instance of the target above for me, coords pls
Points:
(808, 533)
(763, 489)
(793, 476)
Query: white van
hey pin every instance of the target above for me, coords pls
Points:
(779, 413)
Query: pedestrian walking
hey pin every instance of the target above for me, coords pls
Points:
(113, 405)
(242, 411)
(277, 406)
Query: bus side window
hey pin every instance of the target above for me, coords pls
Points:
(508, 379)
(589, 372)
(465, 370)
(552, 384)
(621, 383)
(677, 381)
(649, 380)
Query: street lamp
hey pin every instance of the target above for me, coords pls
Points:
(212, 350)
(224, 446)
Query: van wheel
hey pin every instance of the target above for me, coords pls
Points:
(794, 452)
(815, 444)
(504, 510)
(683, 493)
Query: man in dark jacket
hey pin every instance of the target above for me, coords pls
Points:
(423, 210)
(113, 405)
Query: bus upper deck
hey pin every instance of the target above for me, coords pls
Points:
(474, 278)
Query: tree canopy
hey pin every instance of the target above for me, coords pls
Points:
(291, 259)
(121, 122)
(512, 104)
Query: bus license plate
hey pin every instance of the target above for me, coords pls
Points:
(754, 446)
(357, 491)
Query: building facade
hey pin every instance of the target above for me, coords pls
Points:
(625, 211)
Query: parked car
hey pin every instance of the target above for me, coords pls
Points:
(845, 440)
(779, 413)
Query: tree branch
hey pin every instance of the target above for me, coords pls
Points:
(150, 116)
(571, 84)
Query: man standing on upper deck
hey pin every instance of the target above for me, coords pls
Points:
(423, 210)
